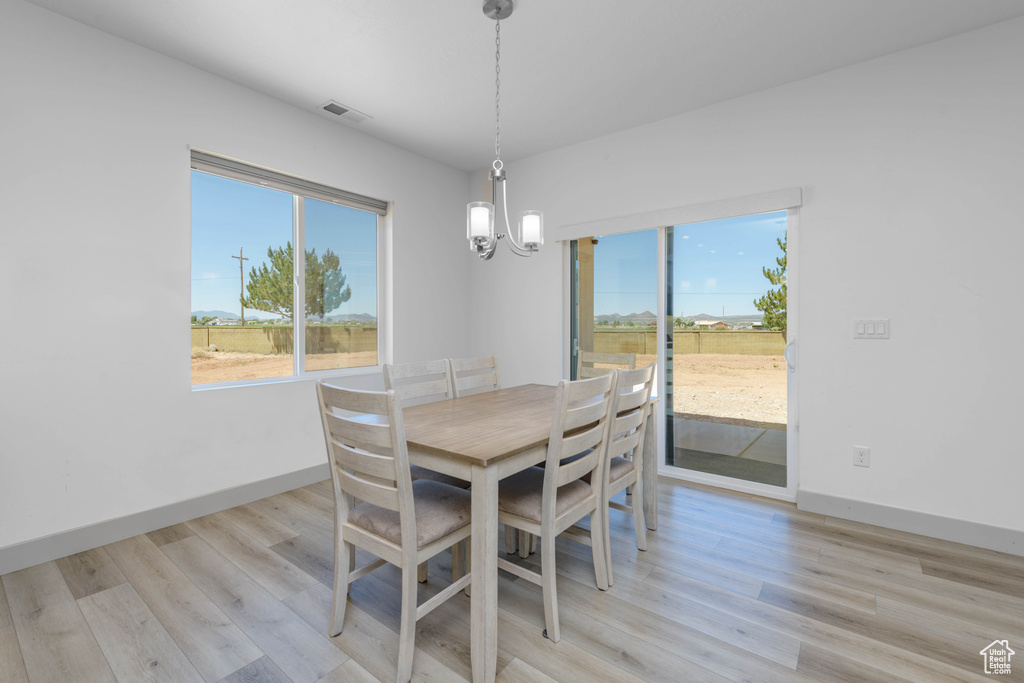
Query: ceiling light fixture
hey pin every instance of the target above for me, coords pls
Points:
(480, 215)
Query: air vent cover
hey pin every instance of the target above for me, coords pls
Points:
(343, 112)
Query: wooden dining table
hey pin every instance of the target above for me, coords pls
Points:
(484, 438)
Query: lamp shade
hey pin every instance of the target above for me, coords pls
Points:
(531, 228)
(479, 221)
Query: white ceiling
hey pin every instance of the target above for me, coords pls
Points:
(572, 70)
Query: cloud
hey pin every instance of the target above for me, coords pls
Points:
(739, 253)
(685, 237)
(713, 251)
(710, 283)
(685, 284)
(700, 245)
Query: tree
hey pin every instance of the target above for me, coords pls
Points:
(773, 304)
(270, 287)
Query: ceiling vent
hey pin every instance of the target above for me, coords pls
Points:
(344, 112)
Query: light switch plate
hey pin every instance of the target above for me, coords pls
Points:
(875, 328)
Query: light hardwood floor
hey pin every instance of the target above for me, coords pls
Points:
(732, 587)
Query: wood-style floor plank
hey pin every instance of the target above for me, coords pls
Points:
(12, 664)
(301, 652)
(56, 643)
(733, 587)
(269, 569)
(90, 572)
(211, 641)
(136, 645)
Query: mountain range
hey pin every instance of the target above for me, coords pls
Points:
(225, 315)
(648, 318)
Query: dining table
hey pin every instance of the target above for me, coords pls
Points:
(484, 438)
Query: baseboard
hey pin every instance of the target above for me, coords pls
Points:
(936, 526)
(54, 546)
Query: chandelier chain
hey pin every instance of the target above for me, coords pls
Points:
(497, 91)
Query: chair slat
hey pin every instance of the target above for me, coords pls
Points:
(362, 434)
(363, 402)
(379, 466)
(371, 492)
(476, 381)
(436, 387)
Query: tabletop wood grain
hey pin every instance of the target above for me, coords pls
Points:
(484, 428)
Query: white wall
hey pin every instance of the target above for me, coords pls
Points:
(911, 167)
(94, 236)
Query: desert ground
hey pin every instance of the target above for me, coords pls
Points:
(719, 388)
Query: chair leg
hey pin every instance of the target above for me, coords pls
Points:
(599, 543)
(533, 544)
(547, 564)
(458, 571)
(407, 630)
(639, 520)
(342, 566)
(607, 536)
(421, 572)
(525, 540)
(510, 540)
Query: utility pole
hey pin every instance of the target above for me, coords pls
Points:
(241, 274)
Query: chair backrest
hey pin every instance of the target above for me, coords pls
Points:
(580, 426)
(631, 405)
(474, 375)
(586, 361)
(367, 451)
(423, 382)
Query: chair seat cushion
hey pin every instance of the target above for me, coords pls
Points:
(440, 510)
(619, 468)
(521, 494)
(423, 473)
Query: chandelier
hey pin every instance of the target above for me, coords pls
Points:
(480, 215)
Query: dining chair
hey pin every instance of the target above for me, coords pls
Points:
(415, 384)
(586, 363)
(623, 462)
(474, 375)
(548, 501)
(378, 507)
(421, 382)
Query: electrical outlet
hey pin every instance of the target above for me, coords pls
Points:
(861, 456)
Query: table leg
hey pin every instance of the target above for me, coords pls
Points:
(650, 472)
(484, 566)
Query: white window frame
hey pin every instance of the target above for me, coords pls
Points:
(301, 189)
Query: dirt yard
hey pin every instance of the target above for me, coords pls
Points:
(749, 390)
(228, 366)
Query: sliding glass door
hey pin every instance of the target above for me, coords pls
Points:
(726, 403)
(706, 301)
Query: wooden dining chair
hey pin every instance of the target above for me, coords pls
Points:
(423, 382)
(474, 375)
(415, 384)
(623, 462)
(378, 507)
(586, 363)
(548, 501)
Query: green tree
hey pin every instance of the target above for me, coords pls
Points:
(270, 286)
(195, 320)
(685, 322)
(773, 304)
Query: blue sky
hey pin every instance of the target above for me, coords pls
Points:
(717, 265)
(228, 215)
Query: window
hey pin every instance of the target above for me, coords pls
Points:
(252, 230)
